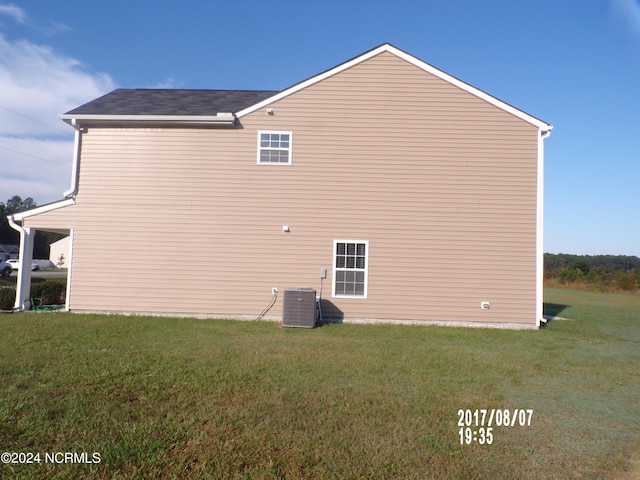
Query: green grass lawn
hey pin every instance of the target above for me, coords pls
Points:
(187, 398)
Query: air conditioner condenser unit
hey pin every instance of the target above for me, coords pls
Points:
(299, 308)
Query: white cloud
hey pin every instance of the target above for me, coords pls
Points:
(40, 83)
(168, 83)
(14, 12)
(37, 84)
(35, 167)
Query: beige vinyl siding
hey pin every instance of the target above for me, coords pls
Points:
(441, 183)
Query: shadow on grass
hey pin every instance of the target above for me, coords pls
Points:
(552, 311)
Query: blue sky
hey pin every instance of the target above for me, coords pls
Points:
(572, 63)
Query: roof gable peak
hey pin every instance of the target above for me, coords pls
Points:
(387, 47)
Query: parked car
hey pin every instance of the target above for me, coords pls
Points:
(5, 269)
(15, 264)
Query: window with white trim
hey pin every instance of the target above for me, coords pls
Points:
(274, 148)
(350, 268)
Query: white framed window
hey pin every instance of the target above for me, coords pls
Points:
(350, 268)
(274, 148)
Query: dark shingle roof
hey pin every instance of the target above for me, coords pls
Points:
(171, 102)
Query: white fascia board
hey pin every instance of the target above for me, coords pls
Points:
(219, 119)
(318, 78)
(43, 209)
(470, 89)
(543, 126)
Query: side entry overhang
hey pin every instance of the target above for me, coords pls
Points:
(25, 258)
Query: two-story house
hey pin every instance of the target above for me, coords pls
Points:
(397, 191)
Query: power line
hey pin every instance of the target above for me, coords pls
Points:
(33, 156)
(34, 120)
(41, 123)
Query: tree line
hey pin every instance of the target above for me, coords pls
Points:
(599, 272)
(9, 236)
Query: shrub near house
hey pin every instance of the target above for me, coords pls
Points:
(7, 296)
(49, 292)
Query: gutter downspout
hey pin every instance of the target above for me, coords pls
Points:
(540, 230)
(23, 284)
(75, 164)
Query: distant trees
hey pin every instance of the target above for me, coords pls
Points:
(612, 263)
(8, 235)
(597, 272)
(626, 280)
(14, 205)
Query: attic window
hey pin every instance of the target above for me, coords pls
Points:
(274, 148)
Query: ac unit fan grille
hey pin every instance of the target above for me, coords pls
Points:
(299, 308)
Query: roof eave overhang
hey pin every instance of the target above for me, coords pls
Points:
(42, 209)
(176, 121)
